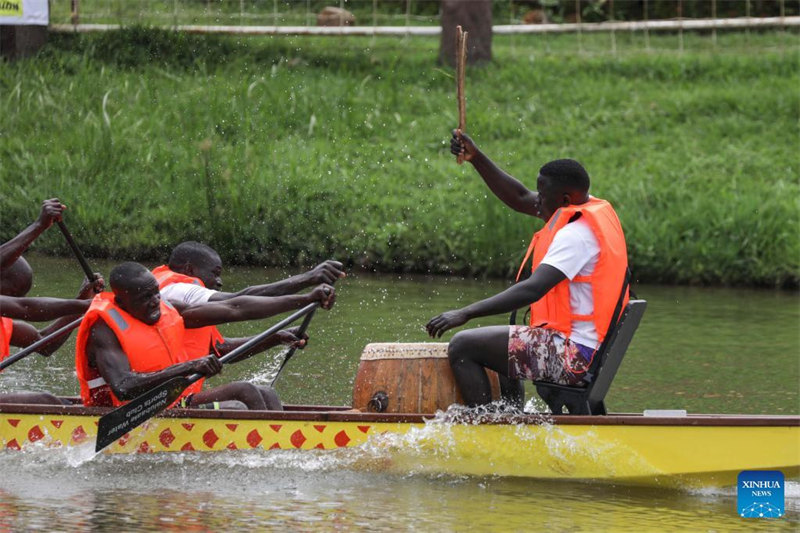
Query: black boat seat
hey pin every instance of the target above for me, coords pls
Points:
(589, 399)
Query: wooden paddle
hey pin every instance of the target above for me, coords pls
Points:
(461, 69)
(82, 260)
(38, 344)
(290, 353)
(123, 419)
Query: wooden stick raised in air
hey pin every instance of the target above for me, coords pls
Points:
(461, 68)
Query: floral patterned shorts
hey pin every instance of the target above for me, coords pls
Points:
(541, 354)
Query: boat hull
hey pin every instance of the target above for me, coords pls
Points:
(694, 451)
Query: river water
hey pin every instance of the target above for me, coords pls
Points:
(703, 350)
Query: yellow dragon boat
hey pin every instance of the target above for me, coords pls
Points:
(677, 451)
(402, 419)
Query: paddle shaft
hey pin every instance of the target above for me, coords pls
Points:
(123, 419)
(38, 344)
(233, 354)
(290, 353)
(76, 250)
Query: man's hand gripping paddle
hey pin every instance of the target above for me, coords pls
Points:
(290, 353)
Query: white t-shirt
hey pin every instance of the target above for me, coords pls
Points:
(188, 293)
(575, 251)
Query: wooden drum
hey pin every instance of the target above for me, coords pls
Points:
(407, 378)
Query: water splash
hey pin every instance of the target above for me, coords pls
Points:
(78, 455)
(46, 453)
(443, 445)
(495, 412)
(268, 370)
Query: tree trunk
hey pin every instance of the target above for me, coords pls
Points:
(18, 42)
(475, 17)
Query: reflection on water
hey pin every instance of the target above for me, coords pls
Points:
(311, 491)
(705, 350)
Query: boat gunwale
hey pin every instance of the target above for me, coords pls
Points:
(314, 413)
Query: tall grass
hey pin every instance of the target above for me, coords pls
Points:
(283, 151)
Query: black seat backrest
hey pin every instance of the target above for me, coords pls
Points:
(617, 346)
(590, 400)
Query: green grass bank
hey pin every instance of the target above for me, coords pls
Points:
(282, 151)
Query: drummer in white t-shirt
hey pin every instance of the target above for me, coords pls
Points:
(579, 230)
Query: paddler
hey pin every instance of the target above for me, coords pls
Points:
(16, 281)
(193, 276)
(132, 340)
(577, 281)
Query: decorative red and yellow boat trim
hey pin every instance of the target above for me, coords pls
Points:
(198, 433)
(694, 450)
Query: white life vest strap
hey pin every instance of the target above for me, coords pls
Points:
(96, 383)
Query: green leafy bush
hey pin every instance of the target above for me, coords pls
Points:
(285, 151)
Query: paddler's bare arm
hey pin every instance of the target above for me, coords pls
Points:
(24, 334)
(326, 272)
(544, 278)
(41, 309)
(286, 337)
(105, 353)
(244, 308)
(11, 251)
(507, 188)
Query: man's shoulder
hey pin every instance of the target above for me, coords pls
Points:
(101, 332)
(187, 293)
(574, 242)
(177, 287)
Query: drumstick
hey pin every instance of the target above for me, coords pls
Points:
(461, 68)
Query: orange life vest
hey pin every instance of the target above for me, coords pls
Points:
(149, 348)
(6, 328)
(553, 310)
(199, 342)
